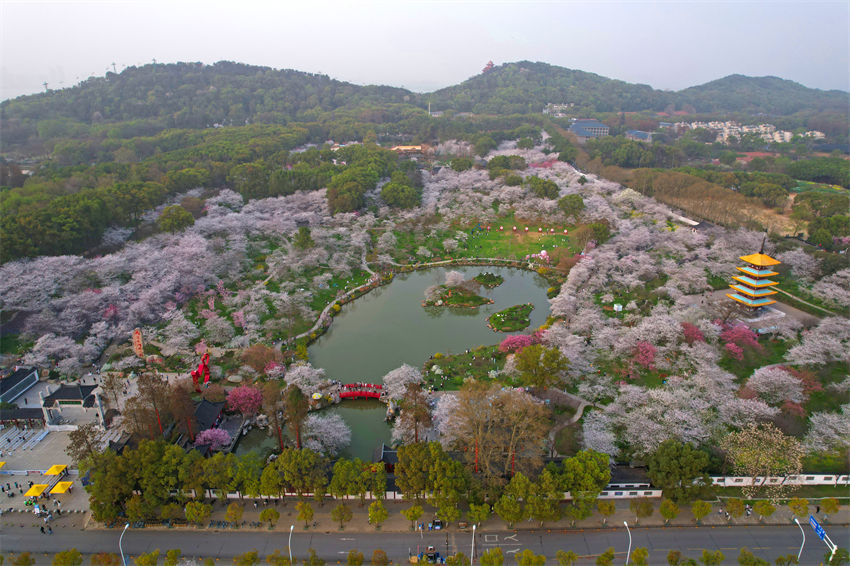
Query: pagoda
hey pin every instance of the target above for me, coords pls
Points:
(754, 288)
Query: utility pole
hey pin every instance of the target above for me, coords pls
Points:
(45, 86)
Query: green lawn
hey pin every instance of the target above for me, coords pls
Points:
(567, 440)
(455, 368)
(773, 352)
(512, 318)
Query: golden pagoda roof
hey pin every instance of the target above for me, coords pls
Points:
(762, 260)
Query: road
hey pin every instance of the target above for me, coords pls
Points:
(765, 541)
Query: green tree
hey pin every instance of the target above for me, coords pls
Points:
(763, 509)
(478, 513)
(312, 559)
(582, 180)
(354, 558)
(172, 557)
(543, 188)
(700, 509)
(528, 558)
(679, 470)
(492, 557)
(839, 558)
(175, 219)
(412, 514)
(786, 560)
(68, 558)
(735, 507)
(606, 558)
(829, 506)
(296, 407)
(377, 514)
(271, 515)
(149, 559)
(669, 510)
(798, 506)
(250, 558)
(105, 559)
(606, 509)
(571, 205)
(341, 514)
(509, 509)
(305, 512)
(412, 470)
(460, 164)
(278, 559)
(234, 512)
(540, 366)
(710, 558)
(197, 512)
(674, 558)
(640, 556)
(23, 559)
(458, 559)
(747, 558)
(379, 558)
(566, 557)
(641, 507)
(401, 195)
(303, 240)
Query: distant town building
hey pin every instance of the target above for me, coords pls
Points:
(638, 135)
(558, 110)
(766, 132)
(585, 129)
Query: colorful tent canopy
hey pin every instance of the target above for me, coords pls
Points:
(61, 487)
(2, 464)
(55, 470)
(36, 490)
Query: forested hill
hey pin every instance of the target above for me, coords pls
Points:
(769, 95)
(153, 97)
(527, 87)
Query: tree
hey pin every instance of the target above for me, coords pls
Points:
(606, 558)
(735, 507)
(798, 506)
(710, 558)
(215, 438)
(400, 195)
(478, 513)
(377, 513)
(412, 514)
(700, 509)
(23, 559)
(305, 512)
(149, 559)
(326, 434)
(747, 558)
(68, 558)
(566, 557)
(492, 557)
(829, 506)
(509, 509)
(172, 557)
(528, 558)
(278, 559)
(415, 413)
(839, 558)
(571, 205)
(174, 219)
(105, 559)
(679, 470)
(379, 558)
(312, 559)
(674, 558)
(273, 409)
(641, 507)
(234, 512)
(640, 556)
(669, 510)
(296, 407)
(245, 399)
(539, 366)
(458, 559)
(83, 442)
(303, 240)
(250, 558)
(197, 512)
(786, 560)
(412, 469)
(763, 509)
(606, 508)
(354, 558)
(341, 514)
(271, 515)
(761, 451)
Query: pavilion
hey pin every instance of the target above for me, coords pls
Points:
(754, 288)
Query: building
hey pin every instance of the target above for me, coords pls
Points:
(585, 129)
(638, 135)
(753, 289)
(17, 383)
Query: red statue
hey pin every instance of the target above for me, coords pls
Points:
(203, 369)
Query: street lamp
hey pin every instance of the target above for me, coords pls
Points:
(291, 527)
(629, 551)
(121, 550)
(472, 552)
(804, 539)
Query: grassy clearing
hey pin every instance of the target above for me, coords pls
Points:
(489, 280)
(567, 441)
(452, 369)
(511, 319)
(457, 297)
(773, 352)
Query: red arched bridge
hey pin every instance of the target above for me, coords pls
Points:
(361, 391)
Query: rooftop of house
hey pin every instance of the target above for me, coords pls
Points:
(638, 134)
(15, 378)
(72, 393)
(207, 413)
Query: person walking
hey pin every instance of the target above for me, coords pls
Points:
(42, 529)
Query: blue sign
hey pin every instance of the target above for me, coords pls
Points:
(816, 526)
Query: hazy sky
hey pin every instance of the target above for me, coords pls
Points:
(427, 45)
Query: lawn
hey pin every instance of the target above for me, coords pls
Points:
(489, 280)
(511, 319)
(567, 440)
(773, 352)
(475, 363)
(456, 297)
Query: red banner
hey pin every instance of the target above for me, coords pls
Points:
(138, 348)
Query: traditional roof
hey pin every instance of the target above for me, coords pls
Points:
(759, 259)
(757, 272)
(206, 414)
(760, 302)
(14, 378)
(757, 283)
(72, 393)
(753, 292)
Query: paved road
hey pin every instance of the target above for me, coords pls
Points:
(766, 541)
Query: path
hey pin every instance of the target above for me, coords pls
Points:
(796, 298)
(581, 403)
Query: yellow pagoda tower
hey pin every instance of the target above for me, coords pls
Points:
(753, 289)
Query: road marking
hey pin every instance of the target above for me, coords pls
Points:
(491, 538)
(346, 539)
(512, 537)
(512, 551)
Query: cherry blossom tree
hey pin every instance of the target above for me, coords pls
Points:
(644, 354)
(827, 342)
(692, 333)
(325, 434)
(834, 289)
(245, 399)
(774, 385)
(215, 438)
(828, 431)
(305, 377)
(395, 382)
(515, 343)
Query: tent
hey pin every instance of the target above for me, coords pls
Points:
(61, 487)
(55, 470)
(36, 490)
